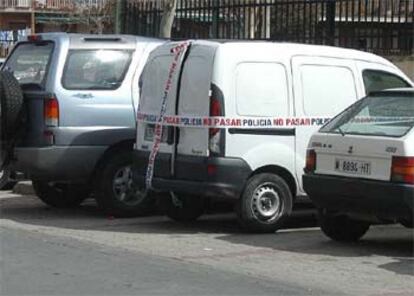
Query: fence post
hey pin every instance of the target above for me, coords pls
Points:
(330, 21)
(120, 16)
(215, 20)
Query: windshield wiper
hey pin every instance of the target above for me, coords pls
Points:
(340, 130)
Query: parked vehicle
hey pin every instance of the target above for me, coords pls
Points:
(2, 61)
(260, 169)
(360, 166)
(75, 131)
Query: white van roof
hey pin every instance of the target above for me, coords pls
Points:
(292, 49)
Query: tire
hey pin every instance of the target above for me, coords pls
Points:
(114, 189)
(341, 228)
(61, 195)
(182, 207)
(5, 183)
(407, 223)
(11, 97)
(265, 203)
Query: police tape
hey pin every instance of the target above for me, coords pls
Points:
(254, 122)
(178, 52)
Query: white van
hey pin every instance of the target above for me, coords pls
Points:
(259, 168)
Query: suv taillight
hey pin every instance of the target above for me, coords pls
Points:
(310, 161)
(51, 112)
(402, 170)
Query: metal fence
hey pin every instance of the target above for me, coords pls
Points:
(381, 26)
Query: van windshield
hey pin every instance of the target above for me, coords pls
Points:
(29, 62)
(389, 115)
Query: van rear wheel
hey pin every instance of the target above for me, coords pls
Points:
(115, 192)
(340, 227)
(60, 195)
(182, 207)
(264, 204)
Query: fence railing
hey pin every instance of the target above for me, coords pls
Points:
(59, 5)
(381, 26)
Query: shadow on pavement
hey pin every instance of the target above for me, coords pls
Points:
(299, 234)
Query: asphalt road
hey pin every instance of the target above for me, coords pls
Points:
(46, 251)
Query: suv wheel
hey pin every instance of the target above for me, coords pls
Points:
(265, 203)
(60, 195)
(342, 228)
(182, 207)
(115, 192)
(11, 105)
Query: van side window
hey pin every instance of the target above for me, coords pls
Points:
(261, 89)
(327, 89)
(375, 80)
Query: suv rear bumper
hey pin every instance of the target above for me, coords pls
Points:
(382, 199)
(222, 177)
(58, 163)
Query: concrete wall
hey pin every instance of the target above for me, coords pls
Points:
(405, 63)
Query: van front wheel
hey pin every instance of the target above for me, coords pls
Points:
(182, 207)
(265, 203)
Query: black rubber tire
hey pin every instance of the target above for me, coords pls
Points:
(11, 97)
(61, 195)
(248, 215)
(5, 183)
(341, 228)
(105, 194)
(407, 223)
(182, 207)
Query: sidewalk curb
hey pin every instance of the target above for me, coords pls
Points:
(24, 188)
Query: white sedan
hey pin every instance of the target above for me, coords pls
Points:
(360, 166)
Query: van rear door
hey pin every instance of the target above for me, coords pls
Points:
(194, 99)
(187, 96)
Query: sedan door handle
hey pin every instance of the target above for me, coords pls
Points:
(83, 96)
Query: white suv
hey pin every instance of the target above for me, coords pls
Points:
(360, 166)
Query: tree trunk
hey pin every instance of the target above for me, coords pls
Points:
(167, 18)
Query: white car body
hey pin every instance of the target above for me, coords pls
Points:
(366, 175)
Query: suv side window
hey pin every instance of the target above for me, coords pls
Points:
(95, 69)
(375, 80)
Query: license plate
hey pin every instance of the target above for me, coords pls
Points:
(356, 167)
(150, 131)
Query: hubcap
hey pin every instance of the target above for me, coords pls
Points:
(123, 187)
(266, 203)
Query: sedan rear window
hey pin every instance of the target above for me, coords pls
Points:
(389, 115)
(95, 69)
(29, 62)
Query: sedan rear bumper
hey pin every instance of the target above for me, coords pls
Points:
(382, 199)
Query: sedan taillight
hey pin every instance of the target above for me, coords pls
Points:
(402, 170)
(310, 161)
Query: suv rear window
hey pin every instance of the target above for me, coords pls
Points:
(29, 62)
(95, 69)
(389, 115)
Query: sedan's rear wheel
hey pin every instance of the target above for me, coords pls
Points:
(341, 228)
